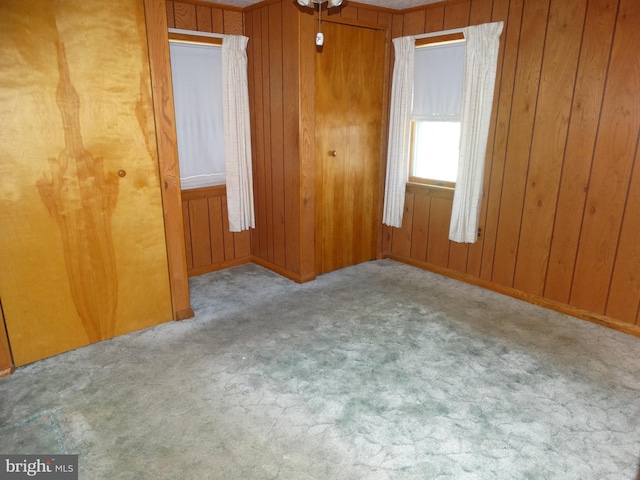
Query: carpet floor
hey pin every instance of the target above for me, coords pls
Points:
(376, 371)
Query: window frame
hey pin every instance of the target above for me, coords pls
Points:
(430, 183)
(208, 40)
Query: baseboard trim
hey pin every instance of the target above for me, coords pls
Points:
(296, 277)
(214, 267)
(603, 320)
(184, 314)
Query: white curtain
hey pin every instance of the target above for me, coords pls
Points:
(482, 44)
(399, 131)
(237, 133)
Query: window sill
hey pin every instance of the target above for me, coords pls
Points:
(430, 190)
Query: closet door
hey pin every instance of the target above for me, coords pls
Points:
(349, 94)
(82, 250)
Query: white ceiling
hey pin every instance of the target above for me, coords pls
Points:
(394, 4)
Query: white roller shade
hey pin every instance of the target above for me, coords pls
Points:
(439, 71)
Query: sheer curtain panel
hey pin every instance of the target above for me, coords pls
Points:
(237, 133)
(481, 59)
(399, 131)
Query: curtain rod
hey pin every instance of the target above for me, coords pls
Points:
(195, 33)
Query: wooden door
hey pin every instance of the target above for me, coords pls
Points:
(82, 250)
(349, 94)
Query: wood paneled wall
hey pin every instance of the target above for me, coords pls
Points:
(281, 89)
(278, 240)
(209, 244)
(561, 204)
(204, 17)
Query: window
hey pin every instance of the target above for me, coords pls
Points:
(436, 111)
(196, 70)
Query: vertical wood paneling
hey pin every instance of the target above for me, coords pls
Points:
(232, 21)
(561, 199)
(624, 296)
(439, 219)
(503, 96)
(187, 235)
(290, 153)
(216, 235)
(414, 23)
(200, 232)
(268, 157)
(210, 244)
(557, 84)
(276, 119)
(401, 244)
(217, 21)
(612, 164)
(203, 19)
(185, 16)
(585, 114)
(366, 15)
(523, 111)
(171, 19)
(434, 19)
(456, 15)
(420, 232)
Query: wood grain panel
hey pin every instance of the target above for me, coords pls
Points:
(624, 293)
(200, 232)
(401, 243)
(519, 140)
(307, 150)
(561, 175)
(456, 15)
(420, 227)
(439, 219)
(216, 233)
(585, 114)
(613, 160)
(185, 16)
(187, 235)
(557, 85)
(434, 19)
(232, 21)
(268, 157)
(203, 19)
(503, 99)
(217, 21)
(276, 119)
(209, 242)
(413, 23)
(291, 123)
(171, 19)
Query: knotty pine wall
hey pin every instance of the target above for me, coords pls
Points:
(209, 244)
(560, 220)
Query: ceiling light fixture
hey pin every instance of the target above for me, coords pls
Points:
(330, 4)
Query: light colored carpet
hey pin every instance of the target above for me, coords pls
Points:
(377, 371)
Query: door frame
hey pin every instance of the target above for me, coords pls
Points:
(167, 144)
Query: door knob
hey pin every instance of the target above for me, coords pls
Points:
(333, 153)
(122, 173)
